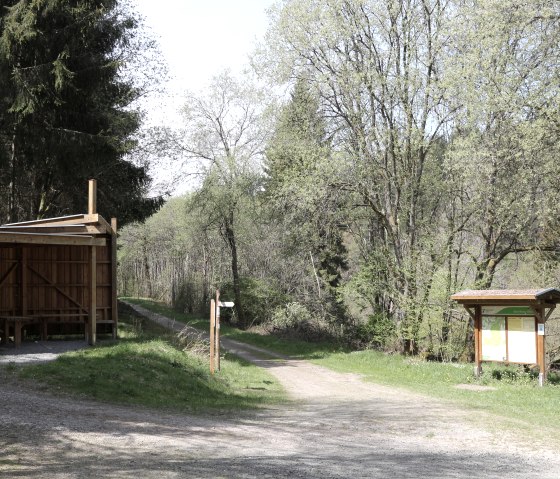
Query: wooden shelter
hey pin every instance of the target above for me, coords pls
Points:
(509, 325)
(58, 276)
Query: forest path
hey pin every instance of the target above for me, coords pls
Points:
(337, 426)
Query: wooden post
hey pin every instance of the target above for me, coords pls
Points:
(23, 296)
(92, 318)
(477, 340)
(6, 332)
(541, 357)
(212, 329)
(92, 197)
(23, 281)
(218, 329)
(44, 329)
(17, 333)
(114, 305)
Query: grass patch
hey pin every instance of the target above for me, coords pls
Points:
(147, 367)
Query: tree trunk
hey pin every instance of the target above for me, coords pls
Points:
(147, 272)
(205, 278)
(12, 216)
(229, 234)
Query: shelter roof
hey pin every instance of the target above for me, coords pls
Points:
(74, 230)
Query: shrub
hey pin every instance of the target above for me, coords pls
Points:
(291, 316)
(260, 298)
(378, 332)
(513, 374)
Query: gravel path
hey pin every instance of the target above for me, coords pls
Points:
(336, 427)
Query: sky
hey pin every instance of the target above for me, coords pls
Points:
(200, 38)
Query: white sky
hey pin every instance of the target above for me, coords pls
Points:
(200, 38)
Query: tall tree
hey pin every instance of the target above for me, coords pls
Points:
(225, 134)
(507, 134)
(65, 111)
(299, 185)
(376, 66)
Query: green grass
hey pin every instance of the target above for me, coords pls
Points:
(147, 367)
(516, 398)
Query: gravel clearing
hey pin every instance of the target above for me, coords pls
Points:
(337, 426)
(37, 351)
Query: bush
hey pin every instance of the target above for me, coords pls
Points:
(295, 319)
(260, 298)
(184, 297)
(513, 374)
(291, 316)
(378, 332)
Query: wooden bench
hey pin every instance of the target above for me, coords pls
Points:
(17, 322)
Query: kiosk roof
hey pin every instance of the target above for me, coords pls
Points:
(507, 296)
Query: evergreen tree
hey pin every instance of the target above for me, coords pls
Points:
(65, 111)
(298, 171)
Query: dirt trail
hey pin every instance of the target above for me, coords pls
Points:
(337, 427)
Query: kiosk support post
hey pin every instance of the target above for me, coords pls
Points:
(477, 340)
(541, 357)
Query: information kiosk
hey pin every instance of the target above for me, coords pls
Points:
(509, 325)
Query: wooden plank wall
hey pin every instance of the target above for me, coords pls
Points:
(57, 284)
(8, 281)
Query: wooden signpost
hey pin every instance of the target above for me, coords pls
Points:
(215, 305)
(509, 325)
(212, 333)
(217, 335)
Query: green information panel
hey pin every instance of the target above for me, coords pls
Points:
(494, 339)
(507, 311)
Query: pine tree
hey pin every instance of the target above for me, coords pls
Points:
(298, 181)
(65, 111)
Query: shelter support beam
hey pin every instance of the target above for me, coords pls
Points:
(6, 332)
(114, 305)
(92, 318)
(17, 333)
(44, 330)
(7, 275)
(92, 197)
(23, 282)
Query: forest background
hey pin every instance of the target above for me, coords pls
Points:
(379, 157)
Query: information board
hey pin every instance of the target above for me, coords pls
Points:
(494, 339)
(522, 340)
